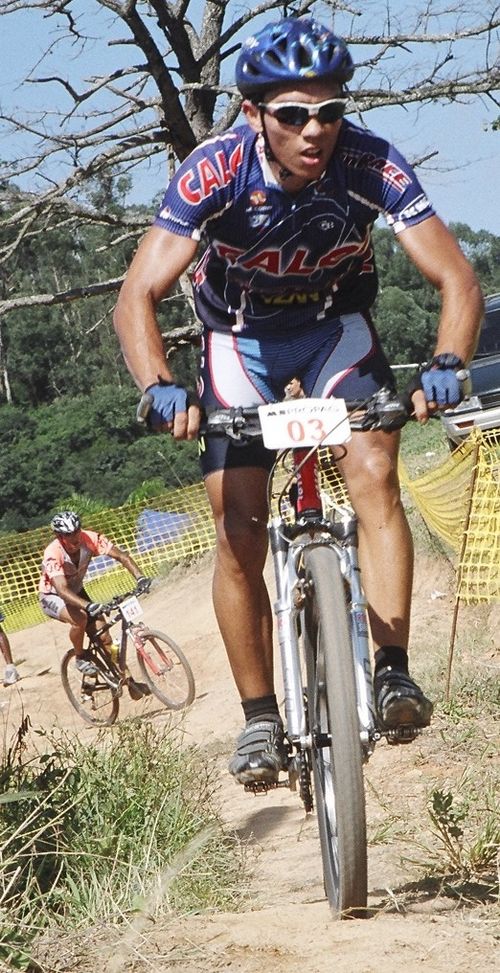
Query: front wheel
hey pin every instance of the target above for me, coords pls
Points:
(92, 696)
(165, 669)
(336, 746)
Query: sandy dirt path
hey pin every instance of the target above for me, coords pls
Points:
(286, 926)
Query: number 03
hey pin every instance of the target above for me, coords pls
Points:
(297, 431)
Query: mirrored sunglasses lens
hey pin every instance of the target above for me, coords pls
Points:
(291, 115)
(331, 112)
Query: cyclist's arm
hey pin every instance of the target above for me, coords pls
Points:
(126, 561)
(68, 596)
(160, 260)
(437, 255)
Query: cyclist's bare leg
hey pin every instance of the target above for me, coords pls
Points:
(241, 600)
(386, 558)
(385, 543)
(77, 619)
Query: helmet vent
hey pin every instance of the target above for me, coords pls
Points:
(304, 58)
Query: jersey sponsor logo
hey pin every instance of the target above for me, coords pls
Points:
(258, 197)
(259, 218)
(166, 214)
(390, 172)
(201, 180)
(414, 208)
(272, 260)
(259, 211)
(293, 297)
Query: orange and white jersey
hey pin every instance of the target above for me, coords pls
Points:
(58, 563)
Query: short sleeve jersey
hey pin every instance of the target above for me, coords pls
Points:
(275, 260)
(58, 563)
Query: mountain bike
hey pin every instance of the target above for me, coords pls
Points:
(166, 671)
(322, 622)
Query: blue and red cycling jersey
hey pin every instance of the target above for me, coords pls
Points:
(276, 260)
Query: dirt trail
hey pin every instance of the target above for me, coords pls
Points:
(286, 925)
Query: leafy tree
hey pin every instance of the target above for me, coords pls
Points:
(407, 331)
(166, 81)
(88, 445)
(483, 251)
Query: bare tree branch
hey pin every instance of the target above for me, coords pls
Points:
(168, 83)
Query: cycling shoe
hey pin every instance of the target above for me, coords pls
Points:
(399, 701)
(260, 753)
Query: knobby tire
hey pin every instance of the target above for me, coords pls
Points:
(100, 707)
(333, 719)
(173, 684)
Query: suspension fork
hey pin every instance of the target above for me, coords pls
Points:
(286, 616)
(358, 611)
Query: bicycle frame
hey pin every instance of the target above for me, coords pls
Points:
(313, 527)
(132, 629)
(166, 671)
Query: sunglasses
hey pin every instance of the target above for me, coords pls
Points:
(72, 538)
(297, 113)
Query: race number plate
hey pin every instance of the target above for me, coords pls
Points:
(131, 609)
(304, 422)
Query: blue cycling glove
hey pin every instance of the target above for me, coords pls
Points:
(441, 381)
(166, 400)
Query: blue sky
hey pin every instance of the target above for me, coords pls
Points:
(462, 180)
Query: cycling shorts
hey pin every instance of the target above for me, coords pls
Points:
(52, 605)
(342, 358)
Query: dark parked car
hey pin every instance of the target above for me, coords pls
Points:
(482, 408)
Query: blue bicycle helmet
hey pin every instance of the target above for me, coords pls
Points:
(293, 49)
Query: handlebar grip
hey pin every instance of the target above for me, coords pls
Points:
(144, 407)
(465, 381)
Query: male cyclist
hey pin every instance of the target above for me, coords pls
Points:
(64, 566)
(286, 203)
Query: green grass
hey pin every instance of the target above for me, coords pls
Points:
(107, 832)
(457, 843)
(423, 447)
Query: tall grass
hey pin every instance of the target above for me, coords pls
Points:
(106, 831)
(459, 840)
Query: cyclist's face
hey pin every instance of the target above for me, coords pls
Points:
(70, 542)
(306, 150)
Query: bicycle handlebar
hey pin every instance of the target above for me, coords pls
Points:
(116, 600)
(383, 410)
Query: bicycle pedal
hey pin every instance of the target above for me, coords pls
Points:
(262, 787)
(257, 787)
(402, 735)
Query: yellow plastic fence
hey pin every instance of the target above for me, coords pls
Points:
(157, 532)
(460, 501)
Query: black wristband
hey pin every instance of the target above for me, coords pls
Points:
(446, 360)
(161, 381)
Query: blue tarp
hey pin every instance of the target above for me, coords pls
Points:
(155, 528)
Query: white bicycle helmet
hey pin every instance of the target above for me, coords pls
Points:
(65, 522)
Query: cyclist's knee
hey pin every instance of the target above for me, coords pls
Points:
(243, 547)
(375, 475)
(76, 617)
